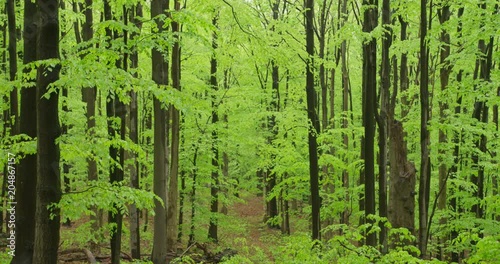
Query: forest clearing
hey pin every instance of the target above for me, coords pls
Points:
(249, 131)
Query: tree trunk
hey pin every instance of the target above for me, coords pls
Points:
(11, 17)
(173, 192)
(135, 235)
(48, 187)
(192, 239)
(425, 175)
(160, 77)
(313, 118)
(214, 186)
(404, 81)
(344, 217)
(369, 90)
(444, 73)
(27, 169)
(382, 120)
(402, 185)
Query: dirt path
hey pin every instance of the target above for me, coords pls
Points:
(252, 213)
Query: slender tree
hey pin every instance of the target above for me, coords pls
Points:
(11, 17)
(382, 120)
(135, 235)
(173, 192)
(214, 187)
(27, 169)
(312, 115)
(89, 96)
(160, 77)
(444, 75)
(369, 91)
(425, 175)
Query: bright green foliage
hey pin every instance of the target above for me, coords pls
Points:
(249, 40)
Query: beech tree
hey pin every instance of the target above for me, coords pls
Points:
(160, 77)
(48, 184)
(26, 181)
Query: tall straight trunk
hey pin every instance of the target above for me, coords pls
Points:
(114, 108)
(344, 219)
(48, 186)
(369, 90)
(173, 192)
(214, 186)
(323, 81)
(272, 204)
(383, 121)
(192, 239)
(160, 77)
(495, 153)
(89, 95)
(134, 228)
(11, 18)
(314, 121)
(5, 114)
(425, 175)
(27, 169)
(271, 178)
(444, 74)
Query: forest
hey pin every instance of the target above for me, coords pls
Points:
(249, 131)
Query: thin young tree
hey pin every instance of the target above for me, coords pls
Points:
(135, 235)
(444, 77)
(382, 120)
(312, 115)
(425, 170)
(13, 100)
(214, 186)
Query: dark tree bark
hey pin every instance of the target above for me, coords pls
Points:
(135, 235)
(324, 27)
(192, 239)
(214, 186)
(89, 96)
(48, 187)
(160, 77)
(383, 121)
(344, 218)
(114, 108)
(425, 169)
(173, 192)
(313, 118)
(444, 74)
(404, 81)
(11, 18)
(272, 204)
(26, 179)
(402, 185)
(369, 90)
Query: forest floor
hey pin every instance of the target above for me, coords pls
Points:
(242, 230)
(259, 236)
